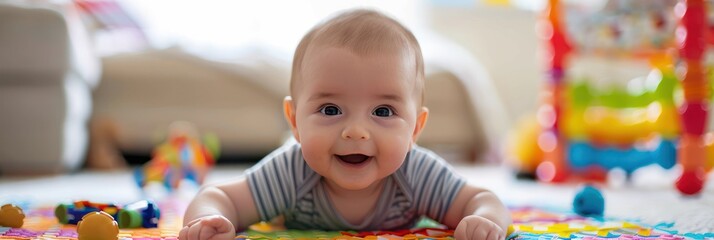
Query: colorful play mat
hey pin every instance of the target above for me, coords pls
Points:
(529, 223)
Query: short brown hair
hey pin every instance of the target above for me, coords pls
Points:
(363, 32)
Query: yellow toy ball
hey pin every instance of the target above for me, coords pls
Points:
(97, 226)
(11, 216)
(523, 152)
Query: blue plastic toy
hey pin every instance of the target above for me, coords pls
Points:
(72, 213)
(589, 202)
(139, 214)
(582, 155)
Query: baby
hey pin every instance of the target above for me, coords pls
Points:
(355, 112)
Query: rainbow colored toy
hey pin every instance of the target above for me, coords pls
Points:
(182, 156)
(580, 131)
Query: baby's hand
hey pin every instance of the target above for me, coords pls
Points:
(476, 227)
(212, 227)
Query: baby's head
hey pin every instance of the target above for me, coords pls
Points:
(362, 32)
(356, 97)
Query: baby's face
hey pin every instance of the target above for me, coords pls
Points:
(356, 116)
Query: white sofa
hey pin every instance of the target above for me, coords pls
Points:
(46, 77)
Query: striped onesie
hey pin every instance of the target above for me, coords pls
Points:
(283, 184)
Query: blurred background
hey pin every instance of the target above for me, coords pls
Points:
(97, 83)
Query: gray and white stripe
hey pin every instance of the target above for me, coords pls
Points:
(283, 184)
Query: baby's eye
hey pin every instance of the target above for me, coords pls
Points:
(383, 112)
(330, 110)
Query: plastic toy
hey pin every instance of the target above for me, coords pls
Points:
(582, 131)
(182, 156)
(11, 216)
(97, 225)
(73, 213)
(582, 155)
(589, 201)
(139, 214)
(694, 111)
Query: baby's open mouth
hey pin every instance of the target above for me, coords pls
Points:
(353, 158)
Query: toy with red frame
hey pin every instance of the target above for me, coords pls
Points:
(581, 132)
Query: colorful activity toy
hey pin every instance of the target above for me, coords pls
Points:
(585, 132)
(182, 156)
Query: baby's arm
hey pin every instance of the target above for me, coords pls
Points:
(477, 214)
(218, 211)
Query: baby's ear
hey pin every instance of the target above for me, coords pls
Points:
(289, 111)
(422, 116)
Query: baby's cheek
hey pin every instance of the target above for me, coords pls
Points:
(314, 147)
(396, 150)
(314, 159)
(396, 130)
(310, 146)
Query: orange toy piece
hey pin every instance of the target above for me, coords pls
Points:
(11, 216)
(97, 226)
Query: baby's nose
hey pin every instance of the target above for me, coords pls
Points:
(355, 131)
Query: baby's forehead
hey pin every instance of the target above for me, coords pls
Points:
(328, 63)
(396, 63)
(364, 44)
(397, 54)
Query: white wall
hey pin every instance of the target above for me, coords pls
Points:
(504, 40)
